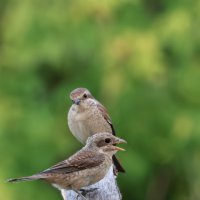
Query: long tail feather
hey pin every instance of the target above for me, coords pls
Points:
(28, 178)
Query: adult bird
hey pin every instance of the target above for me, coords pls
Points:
(86, 167)
(88, 116)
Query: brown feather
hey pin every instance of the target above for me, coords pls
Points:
(104, 113)
(82, 160)
(106, 116)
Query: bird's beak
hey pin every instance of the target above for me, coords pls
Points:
(119, 140)
(76, 101)
(118, 148)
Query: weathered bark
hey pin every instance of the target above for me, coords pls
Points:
(107, 190)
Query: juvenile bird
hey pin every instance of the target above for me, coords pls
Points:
(88, 116)
(84, 168)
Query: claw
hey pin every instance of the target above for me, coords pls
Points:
(80, 194)
(85, 192)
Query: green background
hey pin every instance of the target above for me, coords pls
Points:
(141, 59)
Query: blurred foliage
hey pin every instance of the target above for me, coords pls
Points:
(139, 58)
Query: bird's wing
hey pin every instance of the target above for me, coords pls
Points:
(80, 161)
(106, 116)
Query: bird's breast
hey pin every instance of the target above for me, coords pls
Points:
(86, 123)
(78, 124)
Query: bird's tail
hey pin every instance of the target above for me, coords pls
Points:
(117, 164)
(26, 178)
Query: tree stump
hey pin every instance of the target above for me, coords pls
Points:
(107, 190)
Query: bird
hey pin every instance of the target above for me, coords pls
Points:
(86, 167)
(88, 116)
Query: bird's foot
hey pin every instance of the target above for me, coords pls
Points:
(80, 195)
(84, 192)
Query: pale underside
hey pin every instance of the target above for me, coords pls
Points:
(88, 122)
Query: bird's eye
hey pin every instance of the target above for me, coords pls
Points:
(107, 140)
(85, 95)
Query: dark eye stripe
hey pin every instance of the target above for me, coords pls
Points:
(101, 143)
(104, 142)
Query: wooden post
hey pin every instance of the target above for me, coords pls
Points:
(107, 190)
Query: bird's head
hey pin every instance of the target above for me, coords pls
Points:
(105, 143)
(80, 95)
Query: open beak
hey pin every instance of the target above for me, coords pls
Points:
(118, 141)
